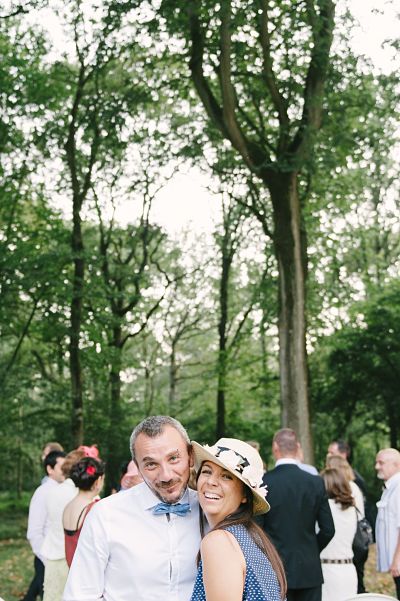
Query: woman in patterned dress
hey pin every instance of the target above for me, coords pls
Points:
(237, 560)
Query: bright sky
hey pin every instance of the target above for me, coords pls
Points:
(378, 22)
(184, 203)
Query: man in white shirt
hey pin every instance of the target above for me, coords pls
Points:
(38, 519)
(131, 545)
(387, 467)
(53, 548)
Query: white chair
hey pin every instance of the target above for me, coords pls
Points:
(371, 597)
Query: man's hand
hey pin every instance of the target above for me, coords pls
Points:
(395, 565)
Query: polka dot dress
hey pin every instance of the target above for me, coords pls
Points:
(261, 583)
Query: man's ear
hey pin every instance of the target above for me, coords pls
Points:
(191, 457)
(275, 449)
(49, 469)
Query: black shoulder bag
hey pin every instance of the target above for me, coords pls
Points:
(363, 537)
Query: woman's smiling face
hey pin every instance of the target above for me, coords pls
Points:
(220, 492)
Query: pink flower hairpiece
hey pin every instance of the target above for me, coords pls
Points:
(91, 470)
(92, 451)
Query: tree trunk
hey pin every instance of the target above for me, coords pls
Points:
(291, 257)
(115, 450)
(226, 262)
(220, 431)
(173, 379)
(76, 321)
(393, 422)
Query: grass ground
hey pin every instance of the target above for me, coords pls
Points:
(374, 581)
(16, 559)
(16, 568)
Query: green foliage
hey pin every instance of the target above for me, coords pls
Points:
(13, 513)
(355, 372)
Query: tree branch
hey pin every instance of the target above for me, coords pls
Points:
(229, 102)
(19, 343)
(322, 32)
(208, 99)
(277, 98)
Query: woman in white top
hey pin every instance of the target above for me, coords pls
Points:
(340, 576)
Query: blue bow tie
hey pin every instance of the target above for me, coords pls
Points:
(178, 508)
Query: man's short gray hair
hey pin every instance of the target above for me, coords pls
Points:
(154, 426)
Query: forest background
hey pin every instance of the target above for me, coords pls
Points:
(286, 312)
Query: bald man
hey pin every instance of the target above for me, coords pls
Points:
(387, 467)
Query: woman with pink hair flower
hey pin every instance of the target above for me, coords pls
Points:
(88, 477)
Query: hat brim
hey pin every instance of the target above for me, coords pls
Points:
(260, 505)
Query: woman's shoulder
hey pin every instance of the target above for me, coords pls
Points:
(219, 541)
(220, 548)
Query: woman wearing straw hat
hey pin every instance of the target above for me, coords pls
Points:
(238, 561)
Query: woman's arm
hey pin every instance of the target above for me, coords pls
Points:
(224, 567)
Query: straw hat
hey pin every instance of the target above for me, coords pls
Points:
(242, 460)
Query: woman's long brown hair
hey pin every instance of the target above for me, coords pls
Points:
(244, 515)
(337, 487)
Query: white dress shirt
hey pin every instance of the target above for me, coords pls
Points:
(310, 469)
(54, 544)
(38, 517)
(388, 523)
(127, 553)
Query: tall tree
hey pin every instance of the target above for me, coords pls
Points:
(260, 71)
(95, 125)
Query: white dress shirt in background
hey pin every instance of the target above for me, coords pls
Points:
(38, 517)
(127, 553)
(54, 545)
(388, 523)
(306, 467)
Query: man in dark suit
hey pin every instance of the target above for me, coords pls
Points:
(298, 502)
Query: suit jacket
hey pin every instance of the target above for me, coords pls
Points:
(298, 501)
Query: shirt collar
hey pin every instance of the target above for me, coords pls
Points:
(68, 482)
(392, 480)
(287, 461)
(52, 482)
